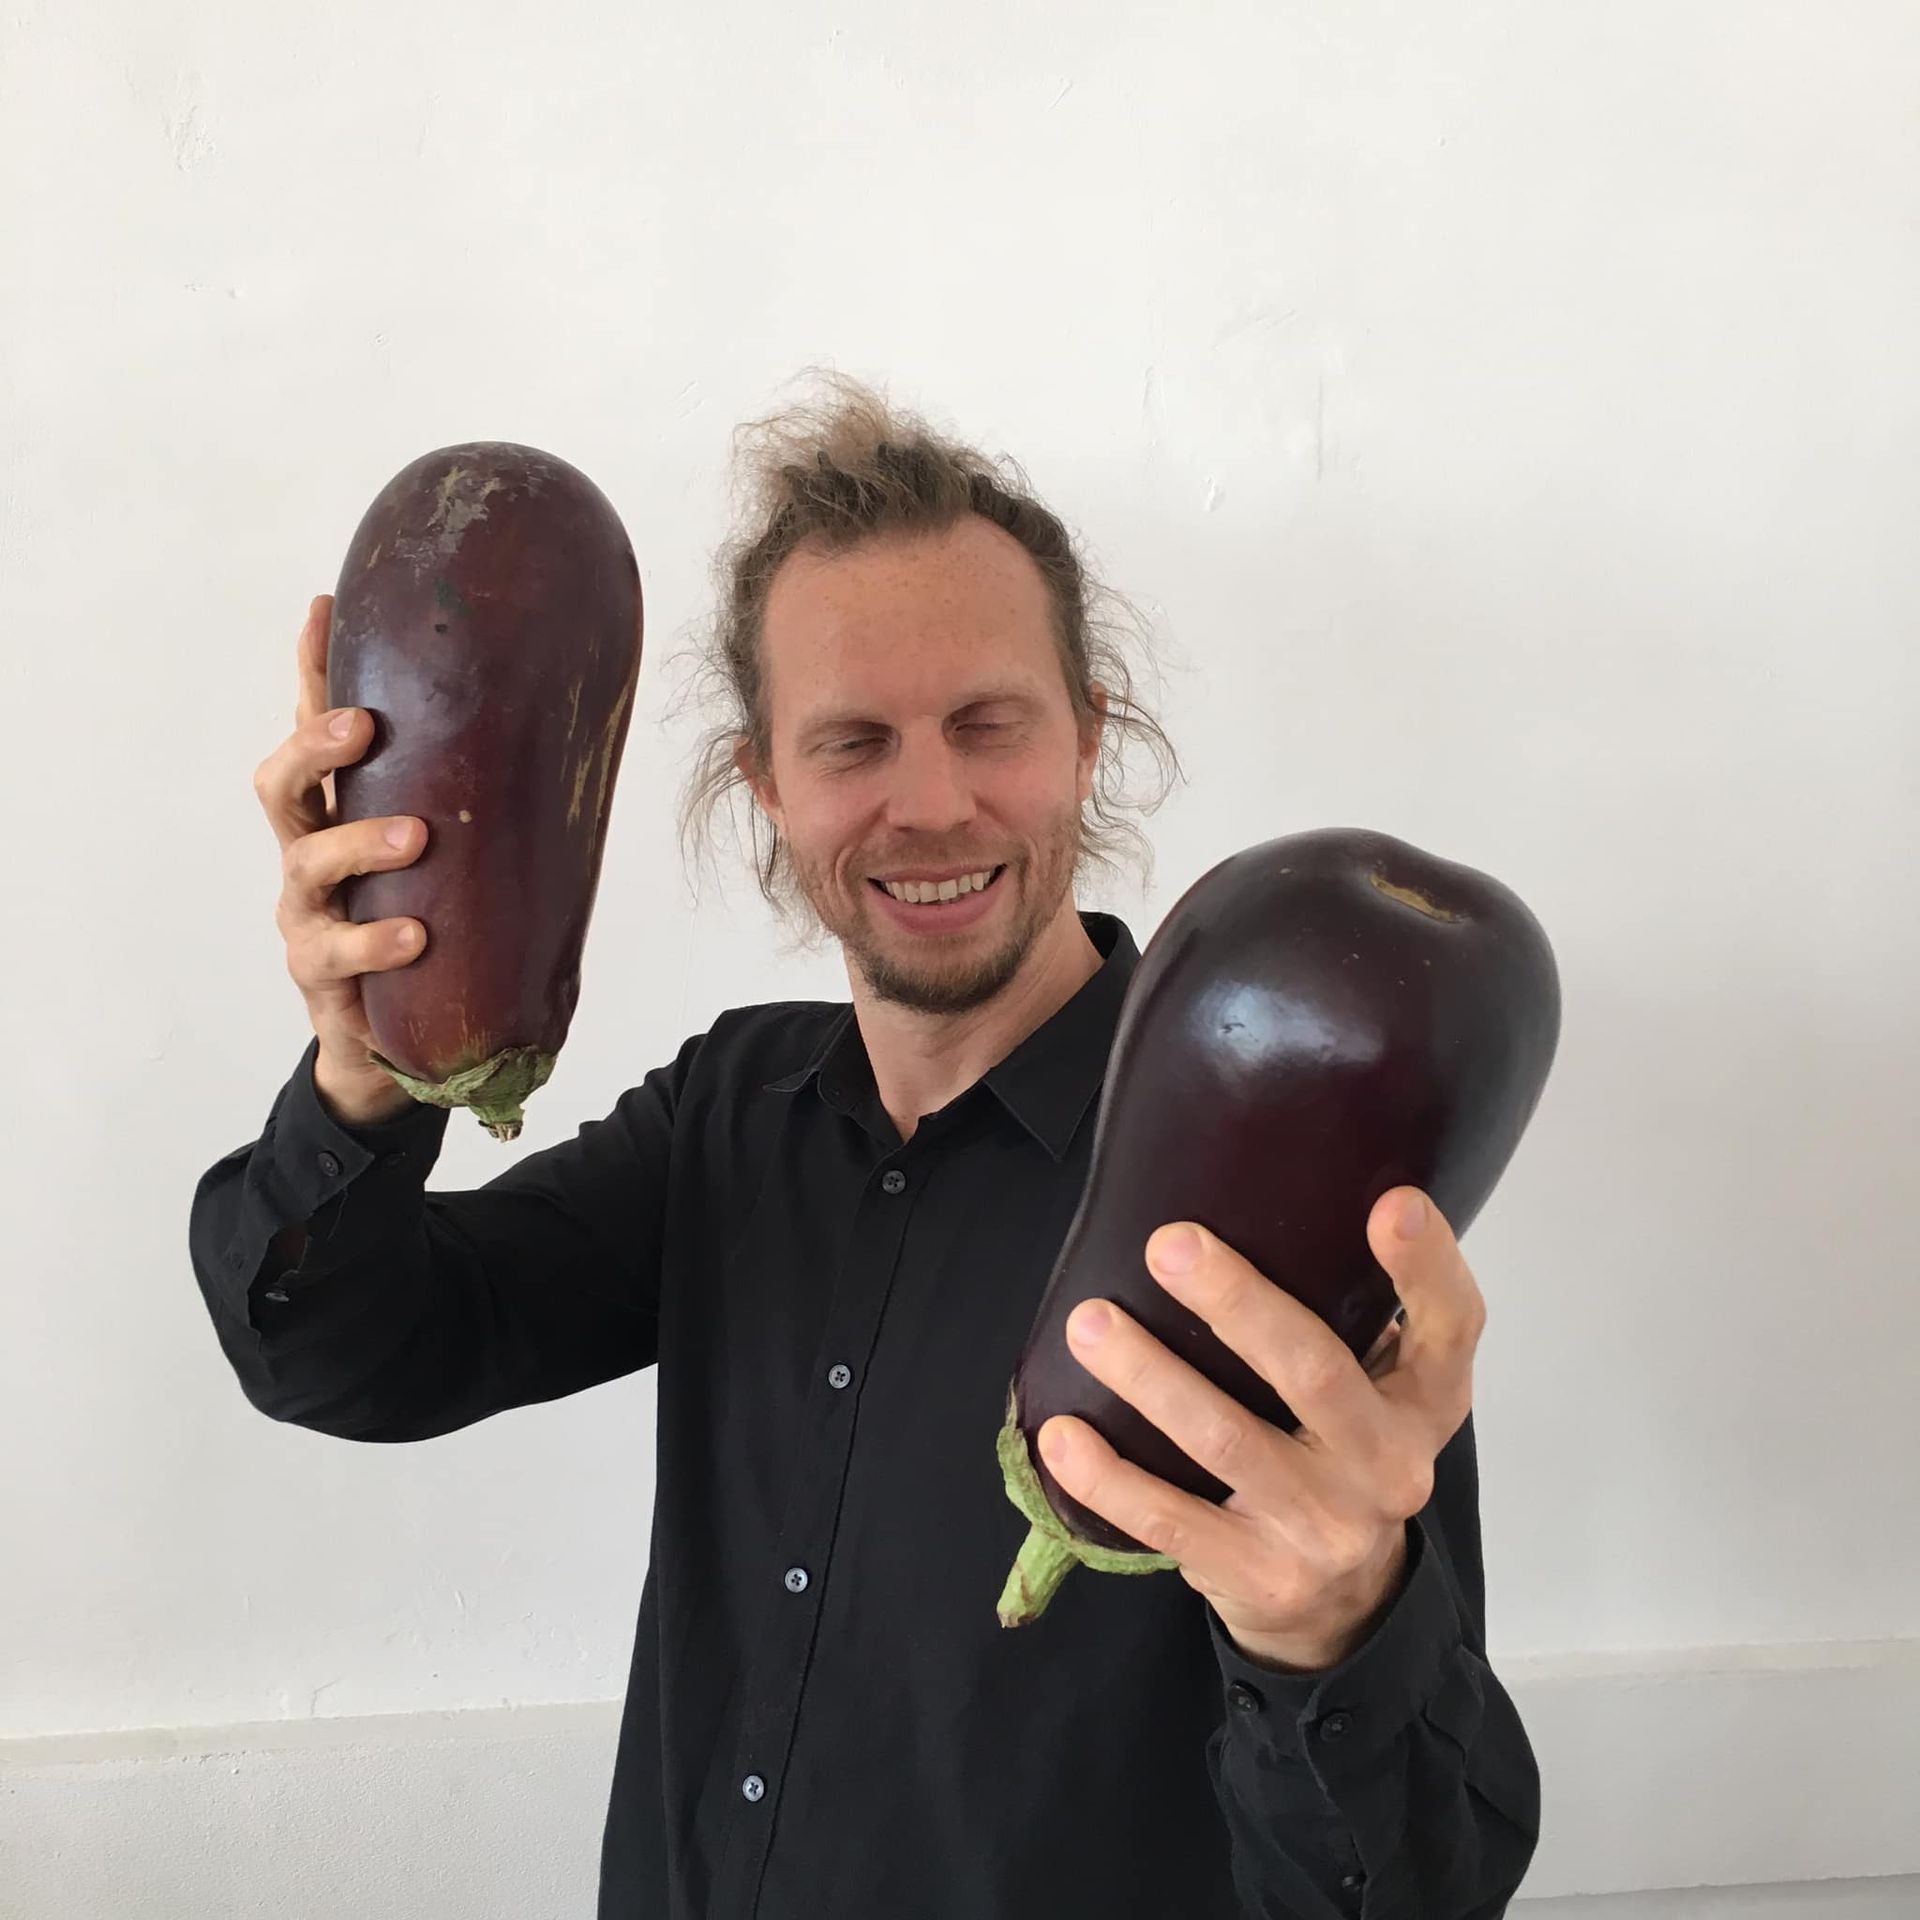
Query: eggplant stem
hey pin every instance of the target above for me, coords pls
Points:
(1050, 1551)
(1043, 1563)
(493, 1090)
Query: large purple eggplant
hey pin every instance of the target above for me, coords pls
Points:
(1319, 1019)
(488, 616)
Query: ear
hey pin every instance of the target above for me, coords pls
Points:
(765, 794)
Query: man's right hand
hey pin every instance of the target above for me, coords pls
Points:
(326, 952)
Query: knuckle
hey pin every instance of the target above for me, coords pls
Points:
(1350, 1546)
(1416, 1487)
(1227, 1446)
(1287, 1589)
(1225, 1288)
(334, 958)
(1315, 1372)
(1133, 1373)
(1162, 1532)
(1473, 1306)
(300, 963)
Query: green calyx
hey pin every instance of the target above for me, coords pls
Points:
(494, 1089)
(1050, 1551)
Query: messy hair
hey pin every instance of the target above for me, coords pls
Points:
(852, 466)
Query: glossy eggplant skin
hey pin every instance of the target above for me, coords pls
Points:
(488, 615)
(1319, 1018)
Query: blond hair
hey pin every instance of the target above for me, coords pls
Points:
(849, 467)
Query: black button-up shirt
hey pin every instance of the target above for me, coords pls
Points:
(825, 1719)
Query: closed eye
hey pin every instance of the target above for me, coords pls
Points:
(972, 726)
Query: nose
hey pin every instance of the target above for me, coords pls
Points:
(930, 789)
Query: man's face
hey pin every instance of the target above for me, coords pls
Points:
(921, 725)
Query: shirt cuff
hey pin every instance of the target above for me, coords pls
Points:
(304, 1165)
(1346, 1718)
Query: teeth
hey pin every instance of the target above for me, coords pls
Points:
(919, 893)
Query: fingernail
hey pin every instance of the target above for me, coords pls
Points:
(1411, 1220)
(340, 725)
(1178, 1251)
(1054, 1445)
(1089, 1321)
(400, 833)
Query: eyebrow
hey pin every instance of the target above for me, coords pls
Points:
(831, 723)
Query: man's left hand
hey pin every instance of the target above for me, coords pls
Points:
(1309, 1551)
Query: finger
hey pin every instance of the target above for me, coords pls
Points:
(311, 650)
(326, 952)
(1446, 1313)
(1285, 1342)
(1384, 1354)
(317, 862)
(289, 780)
(1207, 1542)
(1209, 1426)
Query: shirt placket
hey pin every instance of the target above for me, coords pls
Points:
(774, 1685)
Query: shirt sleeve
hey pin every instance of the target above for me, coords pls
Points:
(1399, 1785)
(408, 1313)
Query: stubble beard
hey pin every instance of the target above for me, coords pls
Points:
(906, 972)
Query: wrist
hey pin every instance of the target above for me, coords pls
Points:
(1322, 1644)
(358, 1099)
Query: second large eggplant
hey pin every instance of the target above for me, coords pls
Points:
(1319, 1019)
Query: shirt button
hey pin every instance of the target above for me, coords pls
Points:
(329, 1164)
(1334, 1725)
(838, 1377)
(893, 1180)
(796, 1579)
(1246, 1698)
(753, 1786)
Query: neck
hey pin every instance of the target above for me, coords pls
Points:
(921, 1062)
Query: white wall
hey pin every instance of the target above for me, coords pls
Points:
(1510, 416)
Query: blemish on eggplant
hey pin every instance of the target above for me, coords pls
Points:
(459, 514)
(1411, 897)
(609, 743)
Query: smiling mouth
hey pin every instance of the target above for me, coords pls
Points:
(958, 899)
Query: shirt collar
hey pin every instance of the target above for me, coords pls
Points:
(1047, 1081)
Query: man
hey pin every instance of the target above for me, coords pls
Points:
(829, 1226)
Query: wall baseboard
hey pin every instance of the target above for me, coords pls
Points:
(1684, 1786)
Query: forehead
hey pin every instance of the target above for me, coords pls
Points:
(943, 617)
